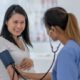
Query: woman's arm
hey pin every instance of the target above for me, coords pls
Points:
(36, 76)
(12, 73)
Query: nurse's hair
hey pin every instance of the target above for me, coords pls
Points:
(58, 16)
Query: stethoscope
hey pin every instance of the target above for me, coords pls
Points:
(17, 72)
(54, 52)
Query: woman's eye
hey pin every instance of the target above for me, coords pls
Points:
(22, 22)
(15, 22)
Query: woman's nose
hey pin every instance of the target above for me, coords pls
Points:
(19, 25)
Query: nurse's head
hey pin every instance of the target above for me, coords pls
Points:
(61, 25)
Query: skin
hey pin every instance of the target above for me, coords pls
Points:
(10, 72)
(16, 25)
(36, 76)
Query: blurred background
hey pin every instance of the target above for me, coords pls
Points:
(41, 51)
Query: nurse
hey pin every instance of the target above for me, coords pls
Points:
(15, 38)
(62, 26)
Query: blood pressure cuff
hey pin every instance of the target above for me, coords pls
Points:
(6, 58)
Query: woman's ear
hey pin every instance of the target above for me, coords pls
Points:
(51, 30)
(56, 29)
(59, 30)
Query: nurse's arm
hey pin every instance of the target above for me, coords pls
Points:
(36, 76)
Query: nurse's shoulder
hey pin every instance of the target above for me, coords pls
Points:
(3, 45)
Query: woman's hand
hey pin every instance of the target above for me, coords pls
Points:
(12, 73)
(26, 63)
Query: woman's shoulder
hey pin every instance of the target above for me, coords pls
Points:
(71, 49)
(3, 40)
(3, 44)
(71, 45)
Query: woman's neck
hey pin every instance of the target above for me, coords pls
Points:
(15, 38)
(64, 39)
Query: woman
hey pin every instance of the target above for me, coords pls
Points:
(63, 26)
(15, 38)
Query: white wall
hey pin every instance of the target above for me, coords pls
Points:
(71, 6)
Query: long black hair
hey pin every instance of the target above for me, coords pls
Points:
(25, 34)
(56, 16)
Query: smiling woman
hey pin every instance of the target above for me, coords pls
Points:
(15, 39)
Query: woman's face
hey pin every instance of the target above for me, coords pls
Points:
(16, 24)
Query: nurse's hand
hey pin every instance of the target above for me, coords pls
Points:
(26, 63)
